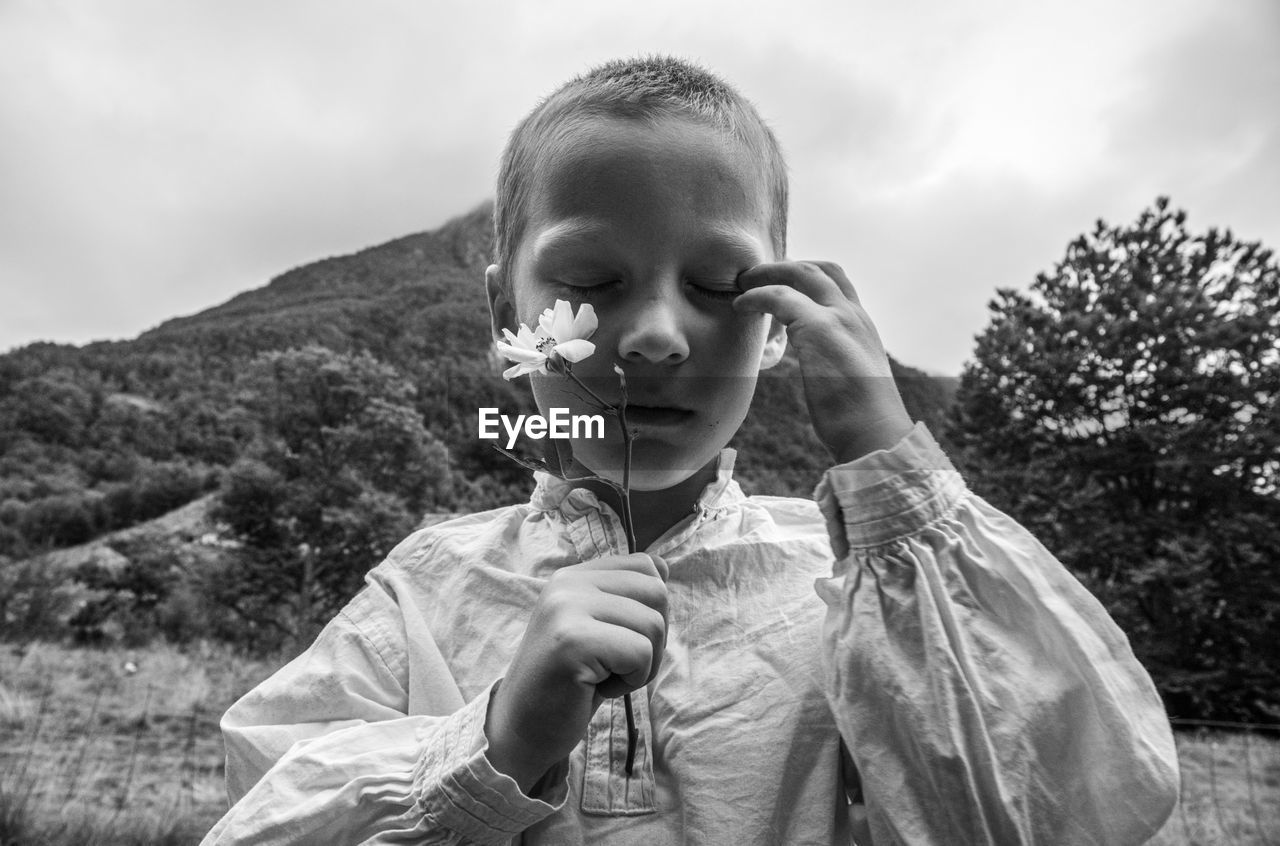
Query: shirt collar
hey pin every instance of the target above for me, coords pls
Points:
(552, 493)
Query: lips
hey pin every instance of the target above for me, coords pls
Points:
(657, 415)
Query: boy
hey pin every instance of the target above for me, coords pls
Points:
(948, 681)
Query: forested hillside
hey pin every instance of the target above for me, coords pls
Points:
(102, 437)
(310, 424)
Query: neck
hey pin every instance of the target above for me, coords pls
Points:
(653, 513)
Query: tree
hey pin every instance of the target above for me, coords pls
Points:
(56, 407)
(342, 470)
(1127, 410)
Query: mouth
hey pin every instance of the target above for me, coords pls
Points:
(657, 415)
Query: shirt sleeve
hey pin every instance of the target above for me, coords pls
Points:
(985, 696)
(323, 751)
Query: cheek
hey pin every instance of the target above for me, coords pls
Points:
(530, 300)
(529, 308)
(739, 343)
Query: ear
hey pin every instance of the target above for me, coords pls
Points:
(502, 312)
(775, 344)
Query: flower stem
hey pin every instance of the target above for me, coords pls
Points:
(624, 493)
(628, 527)
(568, 371)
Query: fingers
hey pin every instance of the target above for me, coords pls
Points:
(621, 660)
(612, 619)
(787, 304)
(598, 630)
(632, 602)
(824, 282)
(837, 275)
(638, 562)
(642, 587)
(644, 620)
(794, 291)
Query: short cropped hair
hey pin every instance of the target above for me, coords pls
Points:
(648, 88)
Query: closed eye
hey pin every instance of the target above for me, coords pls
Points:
(715, 290)
(586, 284)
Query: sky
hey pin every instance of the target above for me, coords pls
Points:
(159, 157)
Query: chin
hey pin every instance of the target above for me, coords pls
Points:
(658, 480)
(647, 478)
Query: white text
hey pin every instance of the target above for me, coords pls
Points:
(559, 424)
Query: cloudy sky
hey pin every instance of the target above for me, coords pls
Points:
(157, 157)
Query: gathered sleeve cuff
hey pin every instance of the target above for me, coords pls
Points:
(888, 494)
(455, 784)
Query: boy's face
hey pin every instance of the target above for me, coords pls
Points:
(650, 223)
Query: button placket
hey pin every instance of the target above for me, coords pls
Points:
(606, 787)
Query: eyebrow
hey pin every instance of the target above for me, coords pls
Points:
(729, 239)
(736, 242)
(567, 231)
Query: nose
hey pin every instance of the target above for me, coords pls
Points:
(655, 333)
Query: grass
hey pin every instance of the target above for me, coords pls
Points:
(93, 752)
(1230, 790)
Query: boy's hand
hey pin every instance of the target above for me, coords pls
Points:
(853, 401)
(598, 631)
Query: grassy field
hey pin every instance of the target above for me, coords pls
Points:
(114, 746)
(1230, 790)
(122, 747)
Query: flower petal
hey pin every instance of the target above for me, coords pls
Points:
(558, 322)
(575, 349)
(584, 325)
(524, 367)
(545, 321)
(526, 339)
(520, 353)
(529, 338)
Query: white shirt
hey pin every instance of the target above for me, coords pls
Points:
(983, 694)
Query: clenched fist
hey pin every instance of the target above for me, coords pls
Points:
(598, 631)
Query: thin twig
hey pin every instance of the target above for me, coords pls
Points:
(564, 367)
(541, 466)
(593, 400)
(627, 438)
(568, 371)
(628, 528)
(633, 735)
(534, 464)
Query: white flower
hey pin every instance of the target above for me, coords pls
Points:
(570, 332)
(526, 349)
(560, 334)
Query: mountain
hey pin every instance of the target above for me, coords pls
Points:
(424, 269)
(100, 437)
